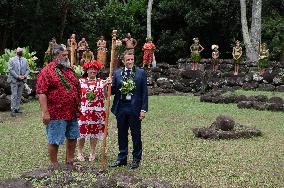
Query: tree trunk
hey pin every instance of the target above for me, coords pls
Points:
(256, 24)
(282, 53)
(149, 12)
(64, 5)
(3, 40)
(251, 40)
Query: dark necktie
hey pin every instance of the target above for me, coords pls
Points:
(128, 73)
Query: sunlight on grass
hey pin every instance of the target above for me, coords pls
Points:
(171, 152)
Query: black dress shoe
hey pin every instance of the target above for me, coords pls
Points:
(134, 164)
(119, 163)
(18, 111)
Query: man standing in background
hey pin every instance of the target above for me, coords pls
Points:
(18, 68)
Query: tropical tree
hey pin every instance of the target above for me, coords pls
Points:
(252, 39)
(149, 12)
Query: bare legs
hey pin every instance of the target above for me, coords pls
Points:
(194, 66)
(146, 64)
(81, 143)
(93, 144)
(70, 152)
(53, 150)
(215, 67)
(237, 69)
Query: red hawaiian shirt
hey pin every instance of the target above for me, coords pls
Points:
(61, 103)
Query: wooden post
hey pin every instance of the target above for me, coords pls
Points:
(103, 160)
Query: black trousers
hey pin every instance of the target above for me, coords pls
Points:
(127, 118)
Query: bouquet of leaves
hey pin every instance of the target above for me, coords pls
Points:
(78, 70)
(91, 95)
(127, 86)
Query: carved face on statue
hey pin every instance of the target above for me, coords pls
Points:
(196, 40)
(128, 35)
(263, 46)
(238, 44)
(73, 36)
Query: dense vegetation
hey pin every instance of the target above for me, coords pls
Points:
(174, 24)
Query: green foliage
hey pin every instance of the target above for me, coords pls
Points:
(4, 60)
(273, 29)
(127, 86)
(174, 24)
(78, 70)
(30, 56)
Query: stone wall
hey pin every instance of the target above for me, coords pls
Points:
(167, 78)
(5, 93)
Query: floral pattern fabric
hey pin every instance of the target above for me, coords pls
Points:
(92, 118)
(148, 49)
(62, 104)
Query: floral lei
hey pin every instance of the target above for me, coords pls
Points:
(62, 79)
(132, 74)
(91, 94)
(127, 83)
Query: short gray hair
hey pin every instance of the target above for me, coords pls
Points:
(58, 48)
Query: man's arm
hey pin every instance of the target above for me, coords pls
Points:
(44, 109)
(11, 69)
(113, 84)
(134, 43)
(144, 107)
(28, 69)
(144, 92)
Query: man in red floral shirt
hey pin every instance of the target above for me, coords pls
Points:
(59, 94)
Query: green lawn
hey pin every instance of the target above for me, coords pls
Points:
(171, 152)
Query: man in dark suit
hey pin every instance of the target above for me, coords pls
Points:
(129, 85)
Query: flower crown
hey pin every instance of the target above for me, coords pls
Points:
(96, 64)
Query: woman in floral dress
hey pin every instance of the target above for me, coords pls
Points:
(92, 118)
(148, 49)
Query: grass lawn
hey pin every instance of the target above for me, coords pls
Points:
(253, 93)
(171, 152)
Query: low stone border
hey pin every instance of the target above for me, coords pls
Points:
(241, 131)
(83, 176)
(225, 128)
(259, 102)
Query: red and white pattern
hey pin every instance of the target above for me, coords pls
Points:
(92, 118)
(61, 103)
(148, 49)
